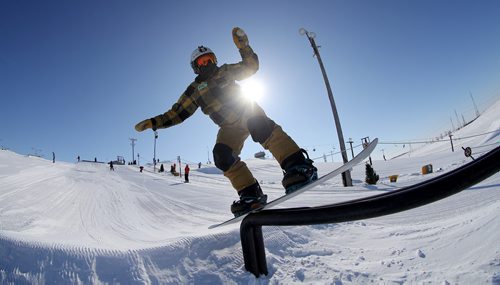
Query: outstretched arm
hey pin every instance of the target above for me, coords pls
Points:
(180, 111)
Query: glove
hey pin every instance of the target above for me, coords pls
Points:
(144, 125)
(240, 38)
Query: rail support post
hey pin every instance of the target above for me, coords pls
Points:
(254, 253)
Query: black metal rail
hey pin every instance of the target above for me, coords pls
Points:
(370, 207)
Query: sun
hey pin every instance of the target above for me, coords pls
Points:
(252, 89)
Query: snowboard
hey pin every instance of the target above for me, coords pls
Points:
(346, 166)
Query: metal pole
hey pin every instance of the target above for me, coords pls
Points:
(180, 167)
(346, 176)
(458, 120)
(352, 151)
(365, 142)
(154, 155)
(208, 157)
(451, 141)
(475, 106)
(133, 144)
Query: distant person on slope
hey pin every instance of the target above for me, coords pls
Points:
(186, 173)
(215, 91)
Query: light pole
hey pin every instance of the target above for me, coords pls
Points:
(154, 155)
(451, 141)
(346, 176)
(132, 143)
(208, 157)
(350, 142)
(365, 142)
(180, 168)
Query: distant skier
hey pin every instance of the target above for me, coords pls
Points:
(186, 173)
(215, 91)
(111, 167)
(53, 157)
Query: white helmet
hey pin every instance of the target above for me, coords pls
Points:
(199, 51)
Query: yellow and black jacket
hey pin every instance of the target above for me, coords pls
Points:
(218, 96)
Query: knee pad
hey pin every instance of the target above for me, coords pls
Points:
(260, 128)
(223, 157)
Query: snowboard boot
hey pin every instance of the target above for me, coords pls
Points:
(298, 171)
(251, 198)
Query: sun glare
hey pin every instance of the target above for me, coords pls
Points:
(252, 89)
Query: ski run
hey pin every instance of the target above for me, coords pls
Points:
(80, 223)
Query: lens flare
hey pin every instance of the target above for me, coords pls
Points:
(252, 89)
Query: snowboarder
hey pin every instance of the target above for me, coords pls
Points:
(186, 173)
(215, 91)
(111, 166)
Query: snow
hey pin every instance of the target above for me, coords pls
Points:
(64, 223)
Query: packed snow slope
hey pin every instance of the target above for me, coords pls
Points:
(65, 223)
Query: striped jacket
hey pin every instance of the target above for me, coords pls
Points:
(218, 96)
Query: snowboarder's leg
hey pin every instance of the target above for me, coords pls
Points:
(270, 135)
(298, 169)
(226, 152)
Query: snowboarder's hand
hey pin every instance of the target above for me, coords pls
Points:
(144, 125)
(240, 38)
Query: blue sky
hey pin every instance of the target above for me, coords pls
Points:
(76, 76)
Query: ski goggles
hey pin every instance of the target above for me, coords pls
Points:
(205, 59)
